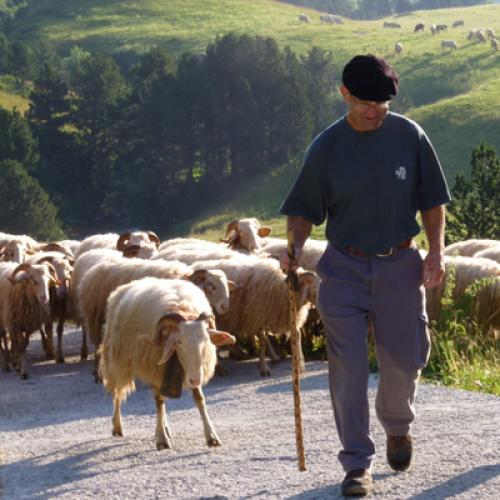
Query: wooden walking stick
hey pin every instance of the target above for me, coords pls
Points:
(293, 289)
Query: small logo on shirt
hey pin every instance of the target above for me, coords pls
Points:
(401, 173)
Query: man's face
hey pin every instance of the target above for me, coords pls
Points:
(363, 115)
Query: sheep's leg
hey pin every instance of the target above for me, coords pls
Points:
(4, 348)
(47, 340)
(61, 317)
(23, 364)
(270, 349)
(97, 359)
(84, 351)
(117, 416)
(220, 369)
(162, 433)
(263, 368)
(211, 436)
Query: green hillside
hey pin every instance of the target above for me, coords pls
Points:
(454, 95)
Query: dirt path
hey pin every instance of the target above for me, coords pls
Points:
(55, 439)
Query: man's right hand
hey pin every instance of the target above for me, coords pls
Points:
(285, 262)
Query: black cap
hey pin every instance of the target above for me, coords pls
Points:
(370, 78)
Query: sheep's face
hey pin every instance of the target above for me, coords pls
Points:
(249, 233)
(39, 278)
(63, 273)
(14, 251)
(217, 290)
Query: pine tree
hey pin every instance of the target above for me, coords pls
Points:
(475, 209)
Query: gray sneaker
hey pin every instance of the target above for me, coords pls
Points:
(399, 452)
(357, 483)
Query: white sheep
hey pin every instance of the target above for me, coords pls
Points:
(468, 270)
(190, 254)
(449, 44)
(83, 263)
(433, 29)
(185, 242)
(95, 241)
(398, 48)
(246, 235)
(100, 281)
(311, 253)
(147, 321)
(304, 18)
(24, 299)
(59, 295)
(468, 248)
(260, 305)
(457, 23)
(492, 253)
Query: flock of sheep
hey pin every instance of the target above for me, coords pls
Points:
(156, 311)
(475, 35)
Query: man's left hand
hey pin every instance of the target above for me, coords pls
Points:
(433, 269)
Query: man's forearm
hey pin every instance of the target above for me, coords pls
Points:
(434, 222)
(301, 230)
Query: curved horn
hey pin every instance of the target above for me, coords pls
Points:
(120, 244)
(19, 268)
(232, 226)
(199, 276)
(154, 237)
(169, 318)
(52, 272)
(56, 247)
(47, 258)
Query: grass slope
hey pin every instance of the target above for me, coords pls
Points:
(453, 95)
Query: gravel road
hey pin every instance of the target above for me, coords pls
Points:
(55, 439)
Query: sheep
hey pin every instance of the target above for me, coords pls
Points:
(14, 251)
(468, 270)
(147, 321)
(492, 253)
(73, 245)
(441, 27)
(261, 303)
(143, 244)
(24, 291)
(398, 48)
(195, 253)
(419, 27)
(433, 29)
(391, 25)
(480, 35)
(103, 278)
(490, 32)
(177, 243)
(470, 247)
(458, 23)
(326, 18)
(82, 264)
(311, 253)
(304, 18)
(494, 44)
(60, 247)
(246, 235)
(63, 267)
(448, 44)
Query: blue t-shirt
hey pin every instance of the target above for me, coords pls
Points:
(369, 184)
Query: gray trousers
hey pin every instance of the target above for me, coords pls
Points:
(388, 290)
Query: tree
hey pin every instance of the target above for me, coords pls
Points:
(25, 208)
(16, 140)
(475, 208)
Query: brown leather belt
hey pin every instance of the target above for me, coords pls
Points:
(359, 253)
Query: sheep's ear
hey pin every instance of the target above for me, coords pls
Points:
(220, 338)
(233, 286)
(167, 325)
(264, 231)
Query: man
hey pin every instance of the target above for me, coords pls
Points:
(368, 174)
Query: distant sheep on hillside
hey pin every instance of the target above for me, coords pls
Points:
(448, 44)
(419, 27)
(304, 18)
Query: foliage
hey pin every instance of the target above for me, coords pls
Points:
(475, 208)
(24, 207)
(463, 354)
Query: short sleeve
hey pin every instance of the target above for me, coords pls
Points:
(307, 195)
(432, 189)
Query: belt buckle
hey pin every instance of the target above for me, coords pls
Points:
(386, 254)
